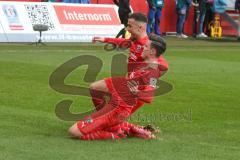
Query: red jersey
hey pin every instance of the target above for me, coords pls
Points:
(147, 97)
(136, 49)
(163, 65)
(145, 78)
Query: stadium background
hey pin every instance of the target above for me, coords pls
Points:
(168, 24)
(199, 118)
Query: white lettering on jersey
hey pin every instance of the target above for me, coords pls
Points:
(133, 56)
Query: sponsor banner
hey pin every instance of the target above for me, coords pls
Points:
(86, 15)
(66, 22)
(12, 16)
(40, 14)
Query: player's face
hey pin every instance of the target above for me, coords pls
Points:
(146, 50)
(133, 27)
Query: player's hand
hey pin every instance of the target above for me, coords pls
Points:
(98, 39)
(133, 87)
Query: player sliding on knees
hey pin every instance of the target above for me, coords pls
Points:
(125, 92)
(137, 24)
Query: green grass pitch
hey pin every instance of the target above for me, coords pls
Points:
(199, 118)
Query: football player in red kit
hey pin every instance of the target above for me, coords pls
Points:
(162, 68)
(99, 89)
(139, 85)
(137, 23)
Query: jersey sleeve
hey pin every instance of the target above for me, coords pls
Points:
(117, 41)
(162, 64)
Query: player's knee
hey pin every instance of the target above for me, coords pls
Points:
(99, 85)
(74, 132)
(96, 85)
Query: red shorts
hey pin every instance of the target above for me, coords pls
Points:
(112, 89)
(109, 85)
(117, 86)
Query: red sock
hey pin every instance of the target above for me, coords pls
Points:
(100, 135)
(98, 98)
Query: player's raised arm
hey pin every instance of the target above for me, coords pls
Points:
(97, 39)
(117, 41)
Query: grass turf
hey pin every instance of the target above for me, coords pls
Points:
(199, 119)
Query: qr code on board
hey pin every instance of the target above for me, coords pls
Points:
(39, 14)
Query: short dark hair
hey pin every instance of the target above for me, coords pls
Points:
(139, 17)
(158, 43)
